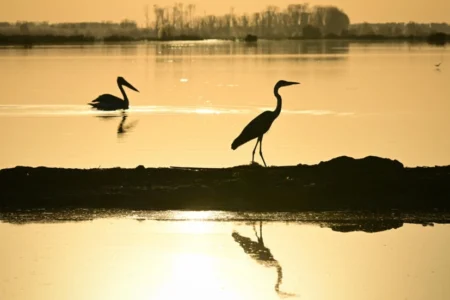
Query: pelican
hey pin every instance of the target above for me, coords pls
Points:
(111, 102)
(261, 124)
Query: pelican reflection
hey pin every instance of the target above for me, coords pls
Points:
(262, 255)
(124, 126)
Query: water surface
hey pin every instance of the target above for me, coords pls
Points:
(221, 255)
(356, 99)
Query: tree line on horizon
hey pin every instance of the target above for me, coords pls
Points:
(179, 20)
(296, 20)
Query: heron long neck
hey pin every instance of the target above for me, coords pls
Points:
(125, 98)
(277, 110)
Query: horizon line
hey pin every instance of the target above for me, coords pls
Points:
(142, 24)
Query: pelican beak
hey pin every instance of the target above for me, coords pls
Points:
(128, 85)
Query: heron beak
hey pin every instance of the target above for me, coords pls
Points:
(293, 82)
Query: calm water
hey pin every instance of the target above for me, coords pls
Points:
(219, 255)
(195, 97)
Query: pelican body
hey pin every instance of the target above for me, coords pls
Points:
(111, 102)
(261, 124)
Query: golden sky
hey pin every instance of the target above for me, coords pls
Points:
(107, 10)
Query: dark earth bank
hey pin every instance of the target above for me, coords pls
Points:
(343, 183)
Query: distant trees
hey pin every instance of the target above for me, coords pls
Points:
(181, 21)
(336, 21)
(410, 29)
(272, 22)
(311, 32)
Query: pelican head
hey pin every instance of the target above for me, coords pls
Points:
(283, 83)
(122, 81)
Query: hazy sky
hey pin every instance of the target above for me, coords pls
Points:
(110, 10)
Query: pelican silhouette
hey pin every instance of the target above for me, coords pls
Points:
(261, 124)
(111, 102)
(261, 254)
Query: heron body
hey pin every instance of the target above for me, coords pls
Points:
(255, 129)
(110, 102)
(261, 124)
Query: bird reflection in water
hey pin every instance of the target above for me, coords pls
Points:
(259, 252)
(124, 127)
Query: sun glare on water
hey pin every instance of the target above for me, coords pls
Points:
(193, 215)
(195, 274)
(206, 111)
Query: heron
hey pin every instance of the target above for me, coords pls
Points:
(111, 102)
(261, 124)
(438, 65)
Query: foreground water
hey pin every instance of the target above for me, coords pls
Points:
(195, 97)
(220, 255)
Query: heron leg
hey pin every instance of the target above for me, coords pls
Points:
(254, 230)
(254, 149)
(260, 232)
(260, 150)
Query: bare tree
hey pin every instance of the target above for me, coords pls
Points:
(147, 20)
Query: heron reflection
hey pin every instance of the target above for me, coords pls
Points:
(261, 254)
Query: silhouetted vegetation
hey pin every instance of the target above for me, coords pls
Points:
(342, 183)
(250, 38)
(368, 225)
(29, 40)
(439, 38)
(412, 32)
(341, 221)
(311, 32)
(180, 22)
(273, 22)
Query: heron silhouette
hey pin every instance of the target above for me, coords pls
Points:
(261, 124)
(259, 252)
(111, 102)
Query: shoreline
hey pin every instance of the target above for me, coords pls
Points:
(340, 221)
(342, 183)
(29, 41)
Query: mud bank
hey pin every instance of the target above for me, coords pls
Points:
(343, 183)
(341, 221)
